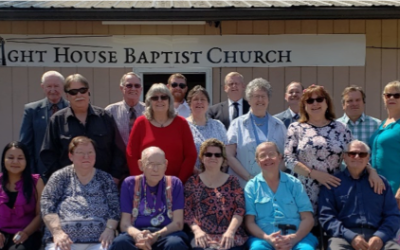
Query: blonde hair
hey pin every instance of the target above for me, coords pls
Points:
(234, 74)
(392, 85)
(79, 140)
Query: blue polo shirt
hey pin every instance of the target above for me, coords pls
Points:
(282, 207)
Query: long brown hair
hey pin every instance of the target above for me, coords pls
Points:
(320, 91)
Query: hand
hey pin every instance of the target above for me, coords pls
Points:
(375, 243)
(325, 179)
(359, 243)
(272, 238)
(376, 182)
(62, 240)
(20, 237)
(141, 240)
(397, 196)
(284, 242)
(227, 240)
(200, 238)
(107, 237)
(2, 240)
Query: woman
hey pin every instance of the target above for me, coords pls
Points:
(385, 142)
(248, 131)
(152, 207)
(214, 202)
(161, 127)
(80, 204)
(315, 144)
(20, 193)
(278, 211)
(203, 128)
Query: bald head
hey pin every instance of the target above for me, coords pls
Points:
(152, 151)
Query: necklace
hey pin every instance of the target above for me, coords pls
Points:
(159, 123)
(194, 122)
(259, 121)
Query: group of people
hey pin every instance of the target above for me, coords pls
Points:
(173, 172)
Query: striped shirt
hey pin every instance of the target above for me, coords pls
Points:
(363, 128)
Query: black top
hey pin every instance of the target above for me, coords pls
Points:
(12, 197)
(100, 127)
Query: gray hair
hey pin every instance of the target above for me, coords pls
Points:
(161, 89)
(358, 141)
(52, 73)
(268, 143)
(146, 151)
(122, 81)
(258, 84)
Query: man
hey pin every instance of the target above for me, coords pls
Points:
(352, 213)
(235, 106)
(126, 111)
(361, 126)
(293, 94)
(81, 118)
(37, 115)
(177, 84)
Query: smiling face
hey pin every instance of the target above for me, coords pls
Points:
(391, 103)
(14, 161)
(153, 166)
(177, 92)
(211, 161)
(234, 87)
(158, 105)
(199, 104)
(357, 163)
(78, 101)
(129, 90)
(83, 156)
(316, 110)
(52, 87)
(268, 158)
(259, 101)
(293, 93)
(353, 104)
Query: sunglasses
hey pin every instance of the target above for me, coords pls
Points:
(158, 97)
(209, 155)
(76, 91)
(181, 85)
(395, 96)
(136, 85)
(312, 100)
(354, 154)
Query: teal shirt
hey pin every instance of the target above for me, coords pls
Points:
(282, 207)
(385, 153)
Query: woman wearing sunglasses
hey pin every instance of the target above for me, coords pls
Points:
(161, 127)
(214, 202)
(385, 142)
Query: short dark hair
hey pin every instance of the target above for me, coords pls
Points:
(75, 78)
(176, 75)
(195, 90)
(353, 88)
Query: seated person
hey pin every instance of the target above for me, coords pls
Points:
(279, 214)
(79, 204)
(20, 193)
(152, 207)
(214, 202)
(352, 213)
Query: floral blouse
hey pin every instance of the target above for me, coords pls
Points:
(212, 209)
(318, 148)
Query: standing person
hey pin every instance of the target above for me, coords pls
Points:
(293, 93)
(81, 118)
(126, 111)
(250, 130)
(361, 126)
(385, 142)
(201, 126)
(20, 193)
(161, 127)
(37, 115)
(235, 106)
(177, 84)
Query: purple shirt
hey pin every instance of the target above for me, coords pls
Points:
(126, 200)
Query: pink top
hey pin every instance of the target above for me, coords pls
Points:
(16, 219)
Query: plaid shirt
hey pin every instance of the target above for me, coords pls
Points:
(363, 128)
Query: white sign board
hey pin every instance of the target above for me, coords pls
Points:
(183, 51)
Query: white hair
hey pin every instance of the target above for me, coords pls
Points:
(52, 73)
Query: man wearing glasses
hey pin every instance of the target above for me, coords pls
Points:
(37, 115)
(177, 84)
(235, 106)
(352, 213)
(126, 111)
(83, 119)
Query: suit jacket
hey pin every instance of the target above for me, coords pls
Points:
(285, 117)
(33, 129)
(220, 111)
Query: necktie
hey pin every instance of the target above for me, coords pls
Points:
(235, 110)
(132, 118)
(296, 117)
(54, 108)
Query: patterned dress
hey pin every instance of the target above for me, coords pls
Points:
(318, 148)
(212, 209)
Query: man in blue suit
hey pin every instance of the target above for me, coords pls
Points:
(37, 115)
(293, 94)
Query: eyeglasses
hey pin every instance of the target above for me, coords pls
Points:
(76, 91)
(181, 85)
(209, 155)
(263, 97)
(395, 96)
(354, 154)
(318, 99)
(158, 97)
(136, 85)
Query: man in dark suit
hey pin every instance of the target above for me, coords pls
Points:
(293, 94)
(235, 105)
(37, 115)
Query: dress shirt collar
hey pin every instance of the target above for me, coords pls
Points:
(49, 104)
(346, 119)
(129, 107)
(292, 113)
(363, 173)
(282, 177)
(70, 112)
(240, 102)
